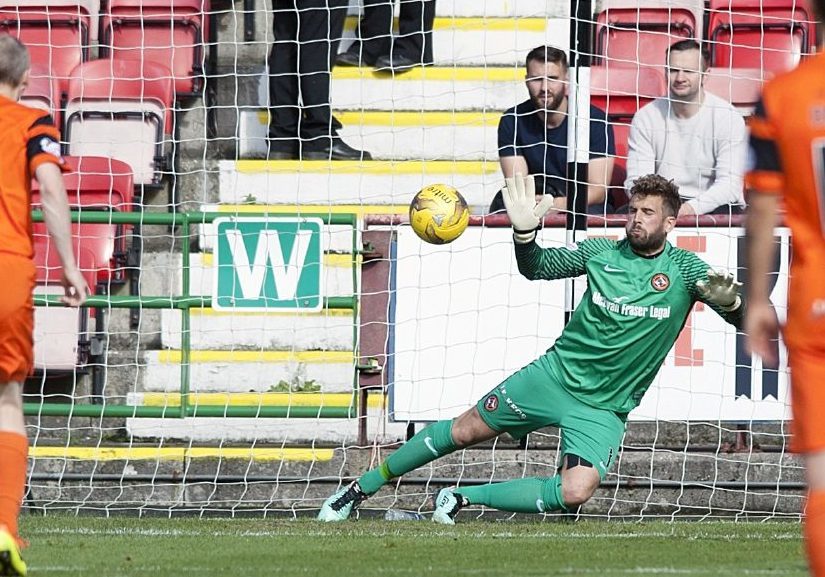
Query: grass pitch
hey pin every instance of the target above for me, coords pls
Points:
(126, 547)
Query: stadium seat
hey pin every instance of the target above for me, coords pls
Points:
(60, 333)
(43, 91)
(638, 32)
(121, 109)
(764, 34)
(739, 86)
(620, 90)
(58, 33)
(96, 183)
(172, 33)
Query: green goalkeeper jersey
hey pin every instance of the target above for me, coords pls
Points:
(630, 316)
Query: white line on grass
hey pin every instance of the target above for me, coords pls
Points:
(344, 532)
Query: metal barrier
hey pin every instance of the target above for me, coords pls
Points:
(185, 302)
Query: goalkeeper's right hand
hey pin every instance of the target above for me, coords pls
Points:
(519, 195)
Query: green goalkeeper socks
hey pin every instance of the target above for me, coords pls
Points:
(530, 495)
(432, 442)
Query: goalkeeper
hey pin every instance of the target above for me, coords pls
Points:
(640, 291)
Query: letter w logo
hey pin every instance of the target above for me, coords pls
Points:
(268, 250)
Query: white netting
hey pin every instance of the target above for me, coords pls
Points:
(277, 416)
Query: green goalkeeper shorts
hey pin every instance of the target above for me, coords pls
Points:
(533, 397)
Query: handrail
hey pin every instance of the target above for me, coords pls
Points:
(185, 302)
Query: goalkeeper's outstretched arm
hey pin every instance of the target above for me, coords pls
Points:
(534, 262)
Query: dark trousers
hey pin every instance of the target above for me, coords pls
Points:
(415, 30)
(307, 34)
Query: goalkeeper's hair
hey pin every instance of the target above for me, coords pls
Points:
(545, 54)
(655, 185)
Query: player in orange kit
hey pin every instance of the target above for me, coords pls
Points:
(29, 148)
(787, 157)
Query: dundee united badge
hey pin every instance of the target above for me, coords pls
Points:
(660, 282)
(491, 403)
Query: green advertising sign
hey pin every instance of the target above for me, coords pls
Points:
(265, 264)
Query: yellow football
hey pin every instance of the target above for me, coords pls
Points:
(439, 214)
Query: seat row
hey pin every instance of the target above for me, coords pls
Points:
(61, 33)
(63, 335)
(121, 109)
(769, 35)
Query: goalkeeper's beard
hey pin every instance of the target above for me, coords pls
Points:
(644, 242)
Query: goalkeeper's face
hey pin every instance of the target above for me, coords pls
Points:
(648, 224)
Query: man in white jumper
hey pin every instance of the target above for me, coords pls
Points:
(692, 137)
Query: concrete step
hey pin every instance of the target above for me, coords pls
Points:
(354, 182)
(230, 330)
(248, 371)
(447, 88)
(264, 399)
(457, 39)
(145, 452)
(395, 135)
(327, 330)
(278, 430)
(296, 479)
(466, 41)
(337, 279)
(500, 8)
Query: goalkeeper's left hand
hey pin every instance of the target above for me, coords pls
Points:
(720, 289)
(519, 195)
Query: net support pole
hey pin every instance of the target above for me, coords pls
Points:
(578, 132)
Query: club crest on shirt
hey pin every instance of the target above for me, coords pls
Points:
(491, 403)
(660, 282)
(50, 146)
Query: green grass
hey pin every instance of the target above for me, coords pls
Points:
(120, 547)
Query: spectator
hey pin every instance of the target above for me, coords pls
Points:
(692, 137)
(532, 137)
(301, 122)
(376, 46)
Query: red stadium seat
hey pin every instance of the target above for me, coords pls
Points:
(121, 109)
(59, 332)
(93, 184)
(766, 34)
(621, 90)
(43, 91)
(638, 32)
(58, 33)
(170, 32)
(739, 86)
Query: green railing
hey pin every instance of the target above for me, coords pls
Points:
(185, 302)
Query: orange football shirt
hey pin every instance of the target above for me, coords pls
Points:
(28, 138)
(787, 148)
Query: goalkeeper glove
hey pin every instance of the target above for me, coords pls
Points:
(519, 195)
(720, 289)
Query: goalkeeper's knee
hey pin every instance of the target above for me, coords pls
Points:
(579, 481)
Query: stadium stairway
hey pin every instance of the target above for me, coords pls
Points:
(433, 124)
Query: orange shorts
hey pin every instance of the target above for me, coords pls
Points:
(807, 398)
(16, 318)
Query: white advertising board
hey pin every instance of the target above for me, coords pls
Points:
(464, 319)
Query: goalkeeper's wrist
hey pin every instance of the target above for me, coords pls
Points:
(737, 302)
(524, 236)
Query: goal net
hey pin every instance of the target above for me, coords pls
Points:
(266, 325)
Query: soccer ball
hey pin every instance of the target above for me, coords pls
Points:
(439, 214)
